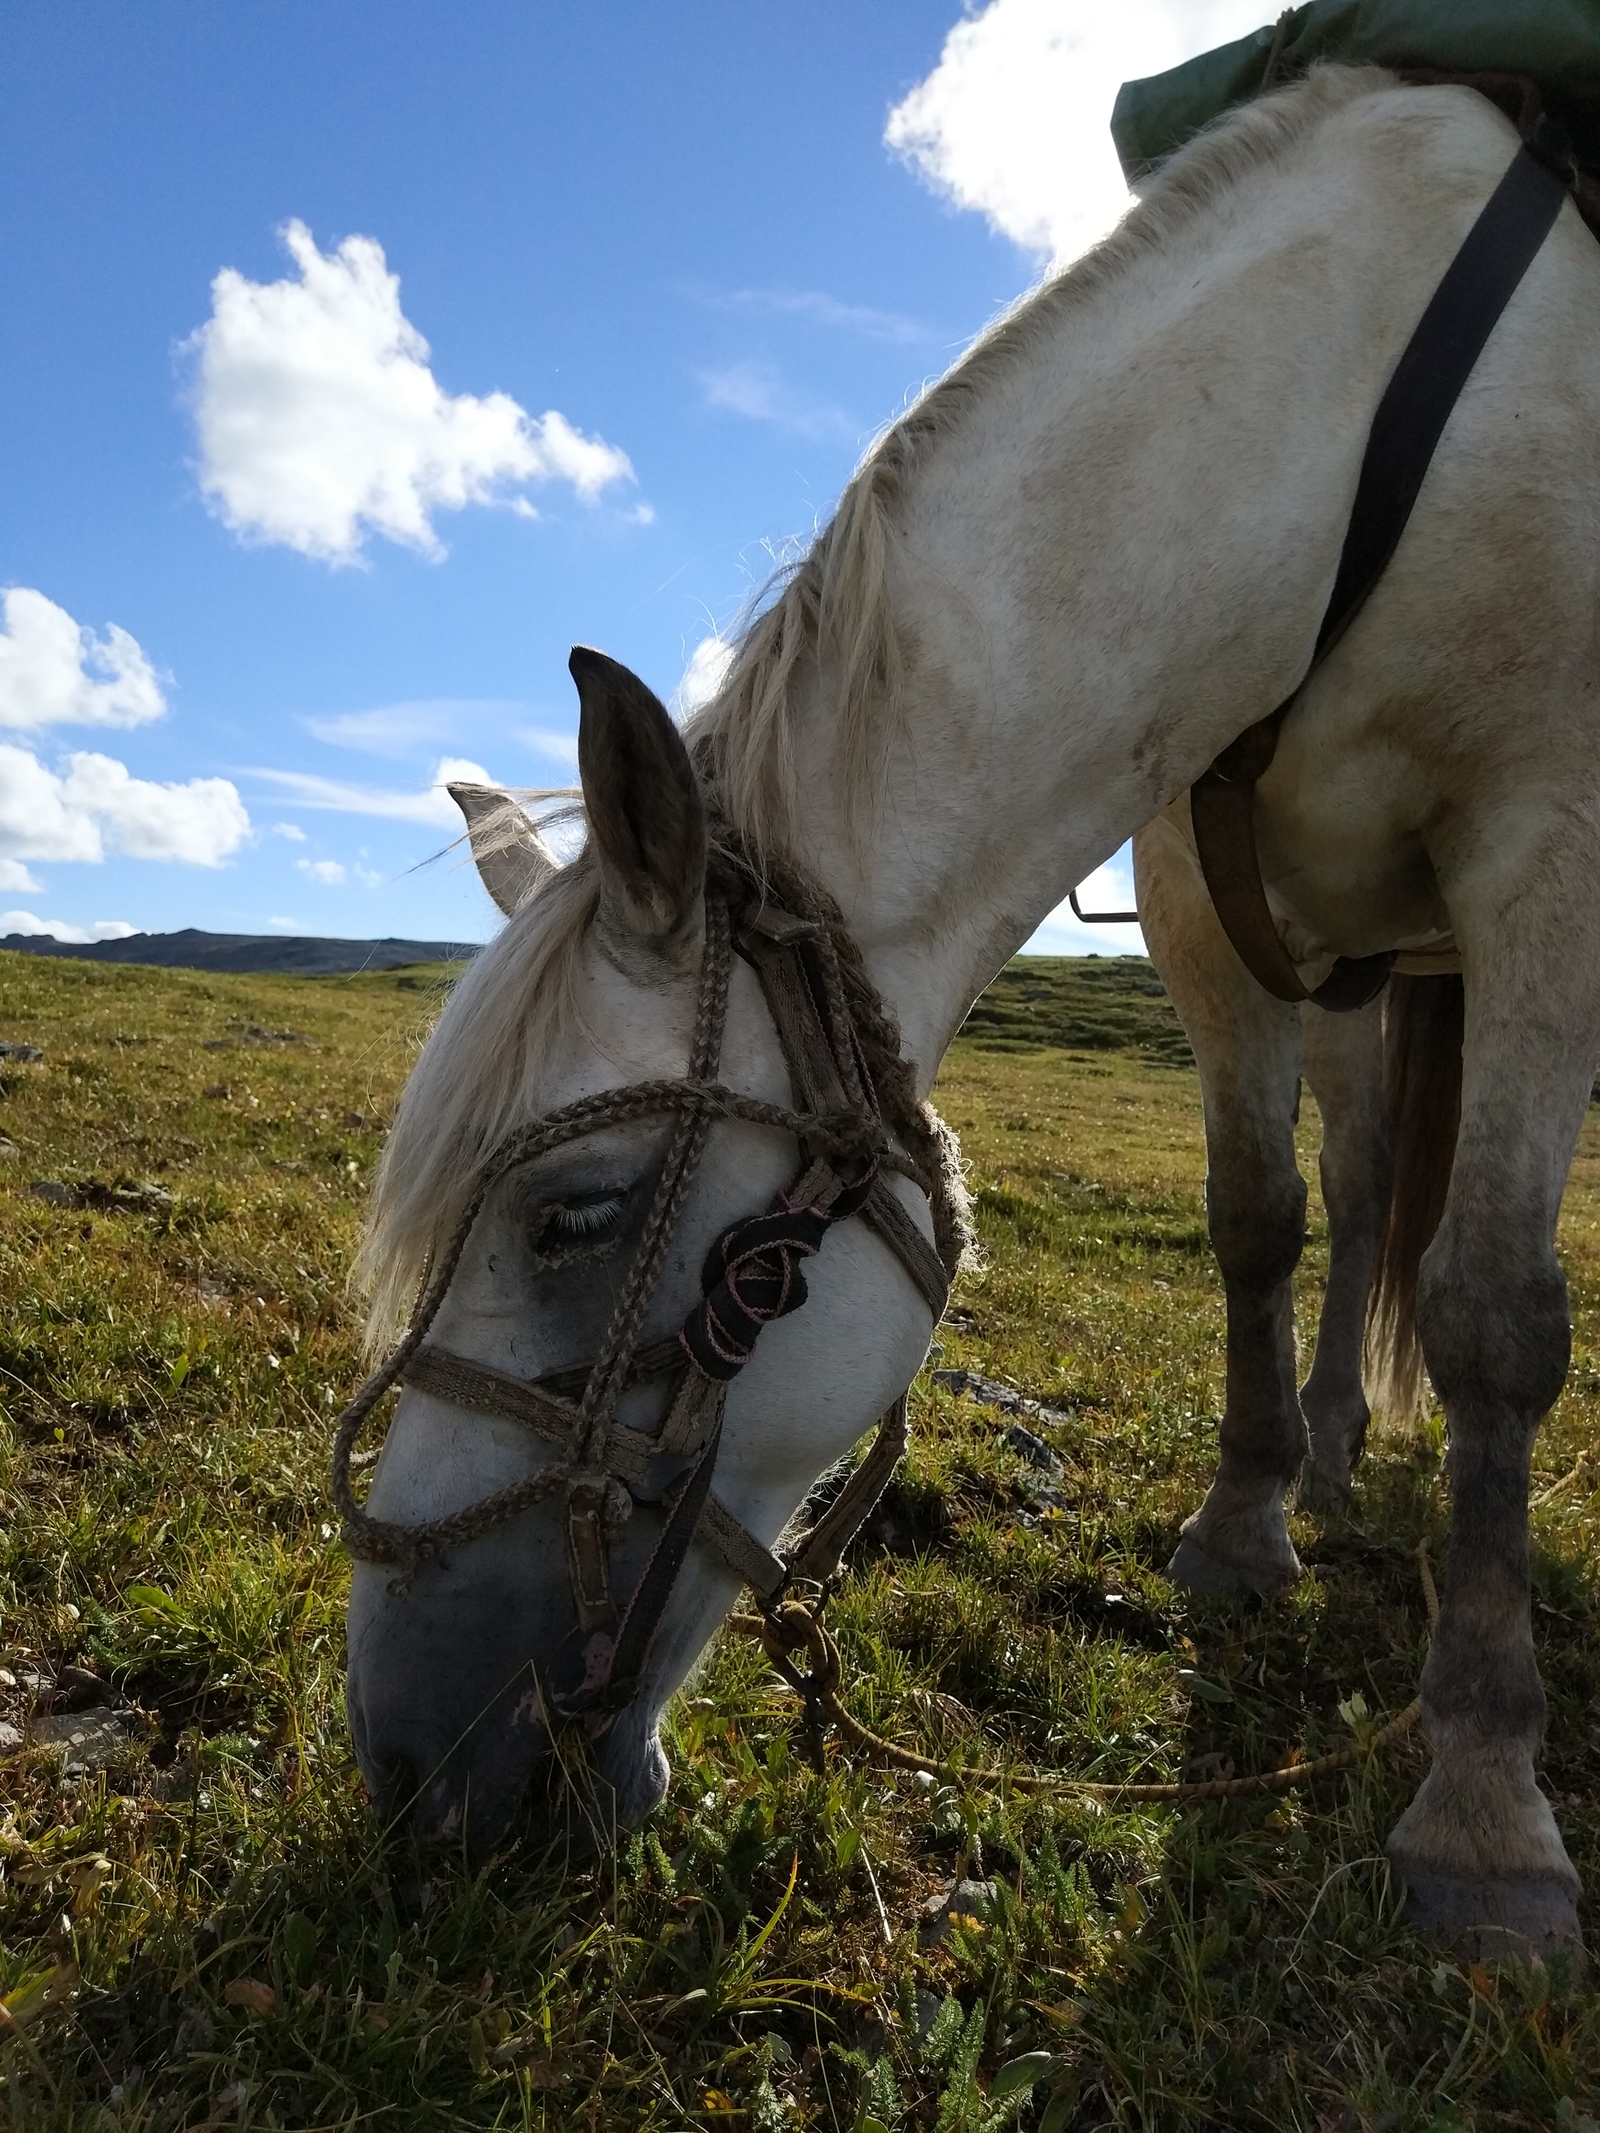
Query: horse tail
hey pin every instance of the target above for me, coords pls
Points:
(1423, 1025)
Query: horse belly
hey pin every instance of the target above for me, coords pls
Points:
(1342, 856)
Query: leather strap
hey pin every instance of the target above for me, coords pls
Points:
(1417, 402)
(660, 1575)
(885, 1215)
(766, 1574)
(773, 943)
(817, 1553)
(589, 1557)
(815, 1557)
(493, 1392)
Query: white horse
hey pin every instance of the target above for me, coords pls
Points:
(1055, 590)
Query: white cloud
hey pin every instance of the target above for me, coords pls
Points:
(703, 676)
(15, 879)
(328, 871)
(97, 806)
(320, 422)
(291, 831)
(60, 929)
(1015, 119)
(759, 393)
(284, 925)
(404, 729)
(823, 309)
(332, 796)
(55, 673)
(550, 741)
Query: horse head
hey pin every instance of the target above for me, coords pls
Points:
(602, 1171)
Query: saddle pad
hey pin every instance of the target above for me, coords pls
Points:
(1557, 42)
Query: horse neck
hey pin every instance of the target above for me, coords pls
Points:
(1114, 556)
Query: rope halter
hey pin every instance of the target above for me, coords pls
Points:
(842, 1053)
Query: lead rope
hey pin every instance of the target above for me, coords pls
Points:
(795, 1626)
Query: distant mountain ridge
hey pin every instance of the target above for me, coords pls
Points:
(304, 955)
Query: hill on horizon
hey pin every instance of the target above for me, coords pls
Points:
(306, 955)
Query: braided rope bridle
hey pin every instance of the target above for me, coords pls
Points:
(858, 1121)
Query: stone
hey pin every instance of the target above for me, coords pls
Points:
(103, 1198)
(12, 1738)
(86, 1740)
(989, 1392)
(1033, 1450)
(962, 1899)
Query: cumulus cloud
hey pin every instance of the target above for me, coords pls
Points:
(320, 421)
(291, 831)
(17, 880)
(332, 795)
(60, 929)
(97, 806)
(53, 672)
(327, 871)
(703, 676)
(1015, 119)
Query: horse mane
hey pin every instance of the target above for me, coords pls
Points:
(480, 1074)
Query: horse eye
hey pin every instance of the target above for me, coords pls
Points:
(570, 1222)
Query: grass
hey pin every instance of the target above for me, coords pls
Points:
(169, 1364)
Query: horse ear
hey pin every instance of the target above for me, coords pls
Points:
(512, 857)
(645, 812)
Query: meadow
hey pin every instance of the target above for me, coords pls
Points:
(197, 1928)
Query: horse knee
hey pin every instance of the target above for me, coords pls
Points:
(1258, 1227)
(1494, 1336)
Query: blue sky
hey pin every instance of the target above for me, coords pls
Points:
(278, 545)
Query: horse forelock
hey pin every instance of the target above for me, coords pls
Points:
(482, 1071)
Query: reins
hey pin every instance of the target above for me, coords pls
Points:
(797, 1627)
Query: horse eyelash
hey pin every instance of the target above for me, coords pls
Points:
(577, 1221)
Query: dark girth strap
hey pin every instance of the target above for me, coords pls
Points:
(1411, 416)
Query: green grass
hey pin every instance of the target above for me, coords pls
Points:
(751, 1959)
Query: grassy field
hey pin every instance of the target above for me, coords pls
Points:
(200, 1934)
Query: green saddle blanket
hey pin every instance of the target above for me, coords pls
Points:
(1557, 42)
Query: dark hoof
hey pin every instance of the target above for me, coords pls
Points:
(1196, 1571)
(1496, 1920)
(1326, 1495)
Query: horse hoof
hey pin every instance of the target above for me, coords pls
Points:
(1326, 1494)
(1497, 1919)
(1196, 1571)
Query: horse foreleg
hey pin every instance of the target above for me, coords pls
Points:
(1478, 1848)
(1247, 1046)
(1343, 1064)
